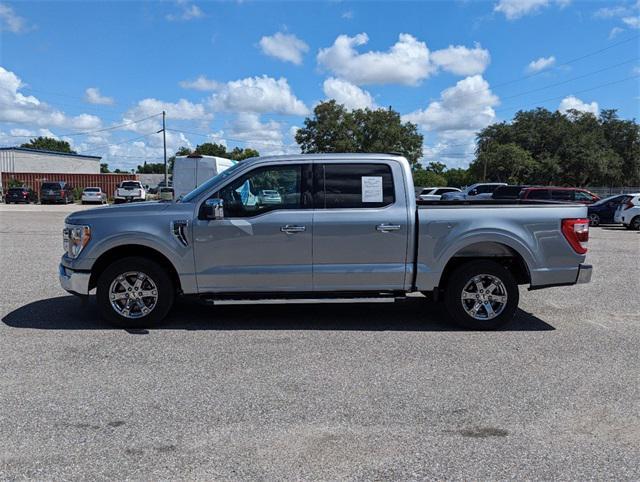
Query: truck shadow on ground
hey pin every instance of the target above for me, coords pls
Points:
(414, 314)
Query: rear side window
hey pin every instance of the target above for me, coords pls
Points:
(354, 186)
(538, 194)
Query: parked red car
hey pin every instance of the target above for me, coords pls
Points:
(561, 194)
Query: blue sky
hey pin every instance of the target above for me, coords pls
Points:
(247, 73)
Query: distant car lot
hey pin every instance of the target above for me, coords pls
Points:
(316, 391)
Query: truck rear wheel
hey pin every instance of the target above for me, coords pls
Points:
(481, 295)
(134, 292)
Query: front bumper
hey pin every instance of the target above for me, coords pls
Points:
(584, 274)
(75, 282)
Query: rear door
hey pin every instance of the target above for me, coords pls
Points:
(360, 226)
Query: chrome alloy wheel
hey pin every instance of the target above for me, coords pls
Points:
(484, 297)
(133, 294)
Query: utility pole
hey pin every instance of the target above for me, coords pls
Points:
(164, 141)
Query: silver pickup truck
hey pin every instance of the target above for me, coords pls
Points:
(342, 226)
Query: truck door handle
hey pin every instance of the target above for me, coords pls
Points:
(290, 229)
(385, 228)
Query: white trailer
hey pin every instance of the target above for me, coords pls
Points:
(191, 171)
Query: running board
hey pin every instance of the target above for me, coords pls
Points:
(298, 299)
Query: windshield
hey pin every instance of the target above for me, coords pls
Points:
(208, 184)
(130, 184)
(50, 185)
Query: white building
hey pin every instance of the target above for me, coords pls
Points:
(22, 159)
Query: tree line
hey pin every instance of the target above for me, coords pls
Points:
(537, 147)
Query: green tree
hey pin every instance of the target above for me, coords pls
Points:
(238, 154)
(458, 177)
(151, 168)
(211, 149)
(504, 163)
(104, 168)
(425, 178)
(334, 129)
(49, 144)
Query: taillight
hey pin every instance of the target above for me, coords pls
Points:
(576, 231)
(629, 204)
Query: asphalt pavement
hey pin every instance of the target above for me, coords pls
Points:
(316, 391)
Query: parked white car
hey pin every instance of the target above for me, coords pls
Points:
(434, 193)
(481, 190)
(628, 212)
(129, 191)
(93, 195)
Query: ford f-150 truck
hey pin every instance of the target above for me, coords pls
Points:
(343, 226)
(129, 191)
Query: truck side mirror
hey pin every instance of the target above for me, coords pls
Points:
(214, 208)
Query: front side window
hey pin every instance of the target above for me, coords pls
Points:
(261, 190)
(583, 196)
(354, 186)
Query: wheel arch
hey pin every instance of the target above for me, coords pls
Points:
(128, 250)
(491, 251)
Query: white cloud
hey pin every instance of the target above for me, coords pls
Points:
(514, 9)
(466, 106)
(188, 11)
(633, 22)
(615, 31)
(540, 64)
(461, 60)
(572, 102)
(406, 62)
(266, 137)
(92, 96)
(348, 14)
(18, 108)
(347, 94)
(285, 47)
(201, 83)
(455, 118)
(259, 95)
(610, 12)
(182, 110)
(10, 21)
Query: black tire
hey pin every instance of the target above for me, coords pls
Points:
(594, 219)
(634, 224)
(159, 275)
(464, 275)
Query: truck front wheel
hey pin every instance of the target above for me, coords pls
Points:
(134, 292)
(481, 295)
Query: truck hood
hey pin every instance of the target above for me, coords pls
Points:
(151, 208)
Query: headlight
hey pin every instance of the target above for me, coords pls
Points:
(74, 238)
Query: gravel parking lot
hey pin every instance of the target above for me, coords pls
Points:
(328, 391)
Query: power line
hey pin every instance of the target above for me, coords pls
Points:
(504, 109)
(244, 141)
(571, 61)
(104, 129)
(607, 84)
(572, 79)
(97, 148)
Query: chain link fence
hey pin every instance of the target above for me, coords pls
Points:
(611, 191)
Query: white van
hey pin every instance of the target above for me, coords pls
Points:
(192, 170)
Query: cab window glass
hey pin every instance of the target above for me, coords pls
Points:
(262, 190)
(355, 186)
(538, 194)
(562, 195)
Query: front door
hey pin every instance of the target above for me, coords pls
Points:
(264, 242)
(360, 227)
